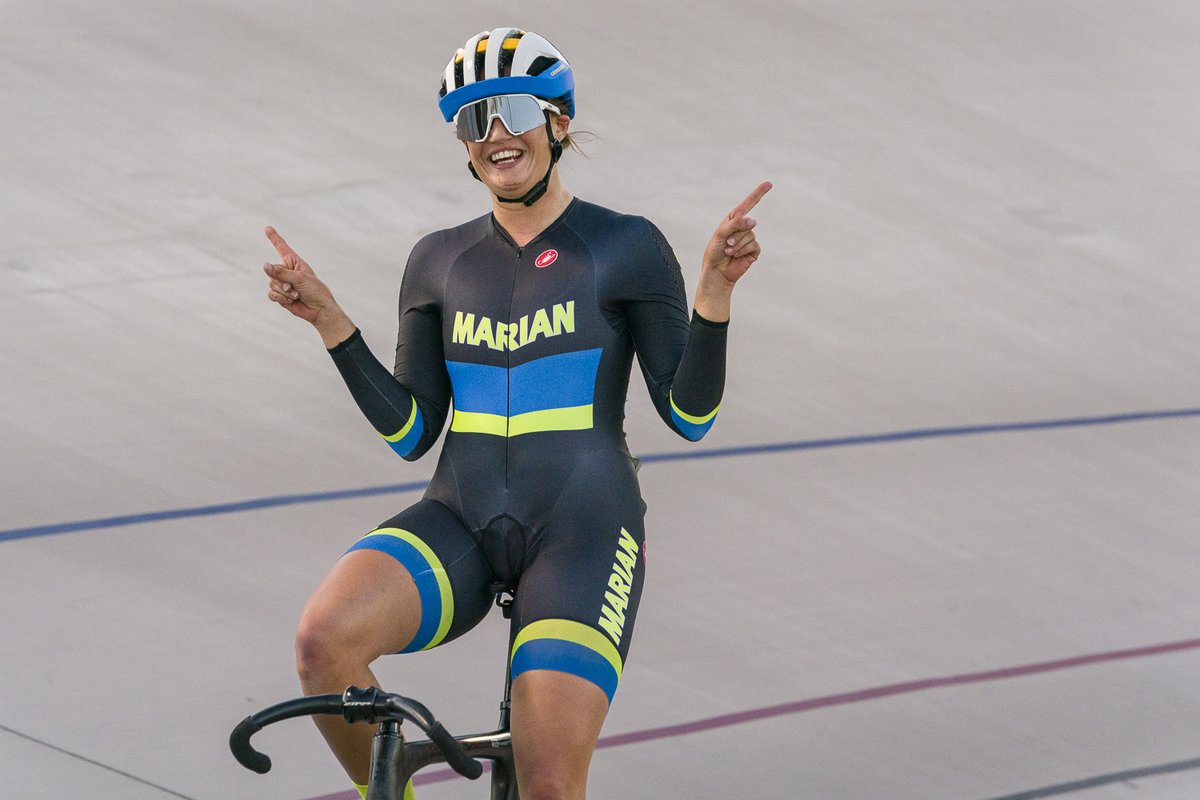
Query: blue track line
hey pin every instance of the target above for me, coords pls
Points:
(726, 452)
(1103, 780)
(926, 433)
(205, 511)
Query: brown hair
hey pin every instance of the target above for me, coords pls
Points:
(572, 141)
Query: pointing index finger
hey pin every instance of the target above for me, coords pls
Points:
(281, 247)
(751, 200)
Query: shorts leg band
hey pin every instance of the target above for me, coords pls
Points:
(433, 585)
(566, 646)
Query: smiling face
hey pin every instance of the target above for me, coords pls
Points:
(511, 165)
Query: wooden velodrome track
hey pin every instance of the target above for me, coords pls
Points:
(941, 544)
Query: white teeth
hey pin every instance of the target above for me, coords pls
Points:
(503, 154)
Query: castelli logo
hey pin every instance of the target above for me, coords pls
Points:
(546, 259)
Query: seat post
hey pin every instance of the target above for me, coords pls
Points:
(505, 594)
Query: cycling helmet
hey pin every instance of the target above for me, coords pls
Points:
(506, 61)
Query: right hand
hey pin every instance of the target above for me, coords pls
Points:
(295, 287)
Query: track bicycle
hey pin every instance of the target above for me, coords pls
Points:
(394, 759)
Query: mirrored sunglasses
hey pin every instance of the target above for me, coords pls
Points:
(519, 113)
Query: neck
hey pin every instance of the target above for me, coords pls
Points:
(524, 223)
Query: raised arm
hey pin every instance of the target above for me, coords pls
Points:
(408, 407)
(297, 288)
(684, 364)
(728, 256)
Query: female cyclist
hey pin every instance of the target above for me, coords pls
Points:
(528, 319)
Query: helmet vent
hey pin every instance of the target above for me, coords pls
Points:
(480, 58)
(541, 64)
(508, 49)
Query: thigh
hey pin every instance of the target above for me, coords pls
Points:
(419, 575)
(578, 598)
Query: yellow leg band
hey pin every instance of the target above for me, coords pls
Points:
(408, 791)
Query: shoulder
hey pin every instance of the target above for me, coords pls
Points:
(448, 243)
(633, 258)
(628, 234)
(591, 216)
(434, 253)
(431, 258)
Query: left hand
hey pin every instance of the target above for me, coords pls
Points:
(734, 247)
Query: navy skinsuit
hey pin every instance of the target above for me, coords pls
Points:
(534, 345)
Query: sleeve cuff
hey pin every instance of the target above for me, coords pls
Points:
(346, 343)
(696, 318)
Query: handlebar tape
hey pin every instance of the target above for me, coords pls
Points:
(247, 756)
(456, 757)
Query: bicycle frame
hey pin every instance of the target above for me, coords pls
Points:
(394, 760)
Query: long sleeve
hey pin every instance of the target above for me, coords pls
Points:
(409, 405)
(683, 364)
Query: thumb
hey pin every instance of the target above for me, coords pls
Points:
(298, 278)
(280, 272)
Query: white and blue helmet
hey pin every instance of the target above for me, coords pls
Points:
(506, 61)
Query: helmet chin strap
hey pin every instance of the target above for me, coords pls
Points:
(539, 188)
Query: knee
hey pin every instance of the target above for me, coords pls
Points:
(548, 784)
(324, 648)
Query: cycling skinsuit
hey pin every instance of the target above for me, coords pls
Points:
(534, 345)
